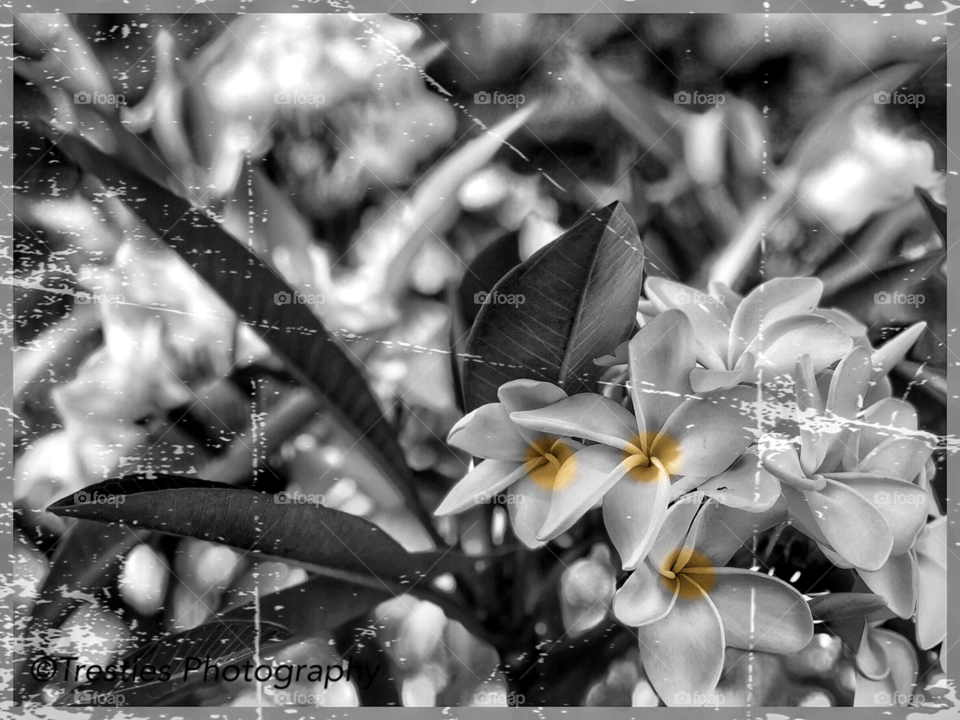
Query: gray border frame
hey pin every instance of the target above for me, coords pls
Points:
(943, 16)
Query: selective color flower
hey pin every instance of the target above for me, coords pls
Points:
(687, 607)
(671, 433)
(522, 462)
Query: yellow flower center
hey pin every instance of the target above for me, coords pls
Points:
(648, 456)
(544, 458)
(686, 572)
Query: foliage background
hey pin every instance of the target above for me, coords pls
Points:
(319, 193)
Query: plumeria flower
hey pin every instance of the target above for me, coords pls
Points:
(671, 434)
(861, 508)
(687, 607)
(741, 340)
(887, 668)
(889, 443)
(525, 463)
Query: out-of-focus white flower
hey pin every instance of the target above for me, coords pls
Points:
(878, 172)
(586, 591)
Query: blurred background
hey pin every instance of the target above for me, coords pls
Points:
(391, 167)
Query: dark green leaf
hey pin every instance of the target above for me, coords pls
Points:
(937, 212)
(580, 295)
(319, 538)
(486, 269)
(842, 606)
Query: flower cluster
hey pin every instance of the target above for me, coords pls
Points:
(740, 413)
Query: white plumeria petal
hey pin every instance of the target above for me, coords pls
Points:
(644, 597)
(885, 419)
(902, 504)
(488, 433)
(931, 550)
(633, 513)
(779, 346)
(581, 482)
(746, 485)
(710, 318)
(898, 457)
(897, 582)
(661, 358)
(682, 654)
(480, 485)
(522, 395)
(704, 381)
(760, 612)
(723, 530)
(768, 303)
(711, 432)
(851, 524)
(848, 387)
(585, 415)
(527, 505)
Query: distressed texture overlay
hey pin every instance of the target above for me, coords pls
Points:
(495, 358)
